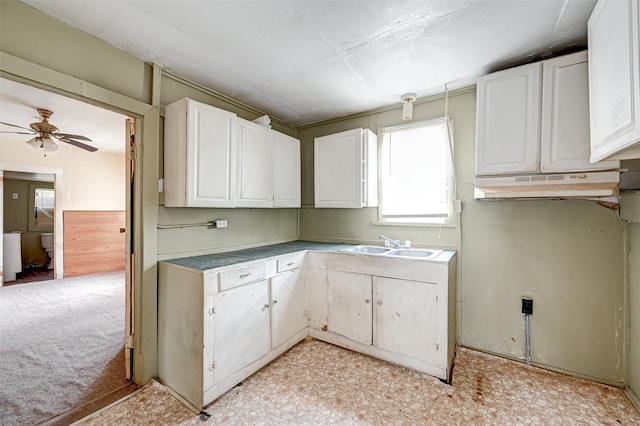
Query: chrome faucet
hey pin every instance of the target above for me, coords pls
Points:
(389, 241)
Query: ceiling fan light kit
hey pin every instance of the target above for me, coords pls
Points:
(45, 133)
(44, 143)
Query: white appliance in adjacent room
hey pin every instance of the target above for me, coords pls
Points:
(12, 256)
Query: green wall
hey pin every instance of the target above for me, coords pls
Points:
(16, 218)
(567, 255)
(33, 36)
(247, 227)
(630, 211)
(634, 358)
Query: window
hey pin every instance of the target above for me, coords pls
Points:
(416, 173)
(41, 207)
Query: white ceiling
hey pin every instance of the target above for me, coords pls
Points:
(19, 104)
(308, 61)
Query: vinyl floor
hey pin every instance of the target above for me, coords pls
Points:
(316, 383)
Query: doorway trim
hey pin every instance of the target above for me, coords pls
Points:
(146, 207)
(58, 226)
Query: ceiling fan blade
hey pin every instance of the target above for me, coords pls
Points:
(13, 125)
(19, 133)
(78, 144)
(69, 136)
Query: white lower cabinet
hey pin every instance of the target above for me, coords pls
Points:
(240, 316)
(289, 311)
(350, 305)
(218, 326)
(403, 309)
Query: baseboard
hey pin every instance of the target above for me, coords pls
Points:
(595, 379)
(635, 400)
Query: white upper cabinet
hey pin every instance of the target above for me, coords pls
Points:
(508, 121)
(535, 118)
(255, 165)
(346, 169)
(614, 80)
(199, 155)
(286, 191)
(565, 116)
(212, 158)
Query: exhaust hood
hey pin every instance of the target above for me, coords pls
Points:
(561, 185)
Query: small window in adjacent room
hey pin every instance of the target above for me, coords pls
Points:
(41, 207)
(416, 175)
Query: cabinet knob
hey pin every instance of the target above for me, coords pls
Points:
(244, 275)
(266, 306)
(367, 301)
(379, 302)
(274, 302)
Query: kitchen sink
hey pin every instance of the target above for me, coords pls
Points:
(393, 252)
(414, 253)
(368, 250)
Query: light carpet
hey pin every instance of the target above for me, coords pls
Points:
(61, 348)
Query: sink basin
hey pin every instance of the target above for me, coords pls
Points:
(367, 249)
(394, 252)
(413, 253)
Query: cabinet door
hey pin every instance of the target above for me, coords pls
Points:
(350, 313)
(565, 145)
(338, 170)
(614, 80)
(406, 318)
(286, 191)
(240, 328)
(318, 298)
(289, 312)
(508, 121)
(211, 167)
(255, 165)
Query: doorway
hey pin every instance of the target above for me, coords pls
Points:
(72, 211)
(29, 227)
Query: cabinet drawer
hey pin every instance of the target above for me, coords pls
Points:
(290, 262)
(245, 274)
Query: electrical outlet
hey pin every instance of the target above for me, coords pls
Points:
(221, 223)
(14, 196)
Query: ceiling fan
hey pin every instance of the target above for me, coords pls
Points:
(44, 131)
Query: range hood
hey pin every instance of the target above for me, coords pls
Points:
(561, 185)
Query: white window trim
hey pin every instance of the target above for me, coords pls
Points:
(450, 220)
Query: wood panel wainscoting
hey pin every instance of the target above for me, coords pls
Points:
(93, 242)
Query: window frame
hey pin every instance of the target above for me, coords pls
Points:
(427, 220)
(32, 226)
